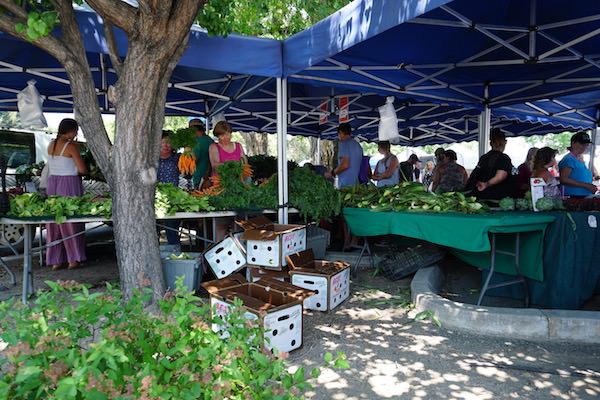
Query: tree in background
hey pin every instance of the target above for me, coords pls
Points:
(558, 141)
(157, 34)
(9, 119)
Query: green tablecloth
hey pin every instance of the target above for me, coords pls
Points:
(466, 234)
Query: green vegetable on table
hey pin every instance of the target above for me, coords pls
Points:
(507, 204)
(409, 196)
(544, 204)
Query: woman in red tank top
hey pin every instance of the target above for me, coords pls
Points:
(224, 150)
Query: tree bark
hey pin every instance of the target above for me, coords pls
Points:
(328, 153)
(256, 143)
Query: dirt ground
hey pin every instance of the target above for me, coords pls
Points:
(394, 356)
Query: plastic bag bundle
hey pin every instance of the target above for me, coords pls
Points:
(388, 121)
(29, 102)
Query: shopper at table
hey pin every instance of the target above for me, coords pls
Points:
(524, 173)
(575, 176)
(224, 150)
(428, 174)
(492, 177)
(451, 176)
(65, 167)
(168, 172)
(542, 163)
(203, 142)
(408, 169)
(350, 156)
(386, 170)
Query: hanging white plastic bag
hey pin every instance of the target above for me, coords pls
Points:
(388, 121)
(29, 102)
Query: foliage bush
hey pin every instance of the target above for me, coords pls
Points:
(73, 344)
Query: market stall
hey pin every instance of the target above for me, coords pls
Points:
(491, 236)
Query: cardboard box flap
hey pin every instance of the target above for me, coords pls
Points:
(304, 262)
(260, 222)
(258, 298)
(213, 287)
(235, 240)
(262, 228)
(272, 284)
(302, 259)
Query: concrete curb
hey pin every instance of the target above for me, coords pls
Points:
(530, 323)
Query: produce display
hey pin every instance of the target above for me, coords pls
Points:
(266, 166)
(409, 196)
(61, 207)
(586, 204)
(185, 138)
(542, 204)
(93, 170)
(168, 201)
(311, 194)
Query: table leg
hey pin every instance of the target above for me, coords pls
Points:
(484, 288)
(27, 269)
(365, 247)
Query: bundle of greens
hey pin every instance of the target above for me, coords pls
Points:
(61, 207)
(169, 199)
(409, 196)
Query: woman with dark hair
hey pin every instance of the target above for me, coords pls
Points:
(386, 170)
(575, 176)
(451, 176)
(544, 160)
(65, 167)
(168, 172)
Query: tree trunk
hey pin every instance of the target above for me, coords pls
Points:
(256, 143)
(312, 142)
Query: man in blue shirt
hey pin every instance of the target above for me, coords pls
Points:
(574, 174)
(350, 155)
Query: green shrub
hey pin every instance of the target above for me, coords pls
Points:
(72, 344)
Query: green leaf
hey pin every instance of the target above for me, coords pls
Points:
(315, 372)
(328, 357)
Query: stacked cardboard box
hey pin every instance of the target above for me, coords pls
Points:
(329, 280)
(275, 305)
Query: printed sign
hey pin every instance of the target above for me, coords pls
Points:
(344, 114)
(324, 109)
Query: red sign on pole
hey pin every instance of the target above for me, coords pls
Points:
(344, 112)
(324, 108)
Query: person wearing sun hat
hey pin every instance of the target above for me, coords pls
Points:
(575, 176)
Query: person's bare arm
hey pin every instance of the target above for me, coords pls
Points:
(344, 165)
(213, 155)
(391, 168)
(565, 179)
(500, 176)
(74, 152)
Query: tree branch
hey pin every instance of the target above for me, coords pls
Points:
(113, 50)
(183, 12)
(14, 8)
(117, 12)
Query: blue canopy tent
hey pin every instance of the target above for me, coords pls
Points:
(205, 72)
(480, 54)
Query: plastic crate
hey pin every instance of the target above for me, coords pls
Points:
(317, 239)
(189, 269)
(397, 266)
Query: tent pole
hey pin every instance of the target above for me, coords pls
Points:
(595, 138)
(485, 123)
(318, 155)
(282, 172)
(484, 131)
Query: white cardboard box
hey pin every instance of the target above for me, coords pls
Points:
(277, 307)
(254, 273)
(268, 244)
(225, 257)
(329, 280)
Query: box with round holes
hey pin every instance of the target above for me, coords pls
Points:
(268, 244)
(275, 305)
(225, 257)
(330, 280)
(254, 273)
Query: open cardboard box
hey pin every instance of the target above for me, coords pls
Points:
(268, 244)
(330, 280)
(275, 305)
(254, 273)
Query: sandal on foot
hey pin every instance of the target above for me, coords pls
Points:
(57, 267)
(73, 265)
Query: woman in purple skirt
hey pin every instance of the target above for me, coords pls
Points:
(65, 167)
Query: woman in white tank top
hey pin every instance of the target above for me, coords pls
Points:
(65, 166)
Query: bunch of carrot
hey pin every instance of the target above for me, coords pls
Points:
(187, 162)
